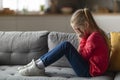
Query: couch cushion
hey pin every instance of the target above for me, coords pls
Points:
(52, 73)
(54, 38)
(17, 47)
(117, 76)
(115, 51)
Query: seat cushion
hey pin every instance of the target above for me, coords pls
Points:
(52, 73)
(19, 47)
(117, 76)
(54, 38)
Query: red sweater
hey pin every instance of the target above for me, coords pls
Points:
(94, 50)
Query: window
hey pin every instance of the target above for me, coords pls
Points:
(19, 5)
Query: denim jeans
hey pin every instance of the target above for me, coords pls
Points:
(79, 65)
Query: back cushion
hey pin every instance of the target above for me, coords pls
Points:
(115, 51)
(54, 38)
(21, 47)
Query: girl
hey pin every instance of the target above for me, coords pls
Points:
(92, 56)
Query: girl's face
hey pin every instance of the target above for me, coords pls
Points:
(81, 30)
(78, 30)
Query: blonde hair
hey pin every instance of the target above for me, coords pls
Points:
(82, 15)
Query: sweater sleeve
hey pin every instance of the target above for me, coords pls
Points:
(87, 47)
(94, 50)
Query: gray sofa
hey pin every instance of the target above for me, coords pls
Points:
(18, 48)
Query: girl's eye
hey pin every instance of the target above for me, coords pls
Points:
(76, 28)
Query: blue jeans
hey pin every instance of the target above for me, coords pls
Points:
(79, 65)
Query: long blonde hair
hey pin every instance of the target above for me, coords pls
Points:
(82, 15)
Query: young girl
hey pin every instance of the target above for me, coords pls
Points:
(92, 56)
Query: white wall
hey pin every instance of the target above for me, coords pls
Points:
(54, 23)
(109, 23)
(45, 22)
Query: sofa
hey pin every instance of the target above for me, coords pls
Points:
(18, 48)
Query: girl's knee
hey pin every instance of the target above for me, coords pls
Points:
(66, 43)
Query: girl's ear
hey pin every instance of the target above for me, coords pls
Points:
(87, 28)
(86, 24)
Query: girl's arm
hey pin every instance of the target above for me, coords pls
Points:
(79, 39)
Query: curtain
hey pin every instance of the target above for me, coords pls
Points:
(1, 6)
(19, 5)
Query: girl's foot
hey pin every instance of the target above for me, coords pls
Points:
(29, 64)
(32, 70)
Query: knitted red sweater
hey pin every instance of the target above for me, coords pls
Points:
(95, 51)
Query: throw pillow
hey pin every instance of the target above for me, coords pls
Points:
(115, 52)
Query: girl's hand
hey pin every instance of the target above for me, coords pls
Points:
(78, 32)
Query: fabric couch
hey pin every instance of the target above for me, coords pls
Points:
(18, 48)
